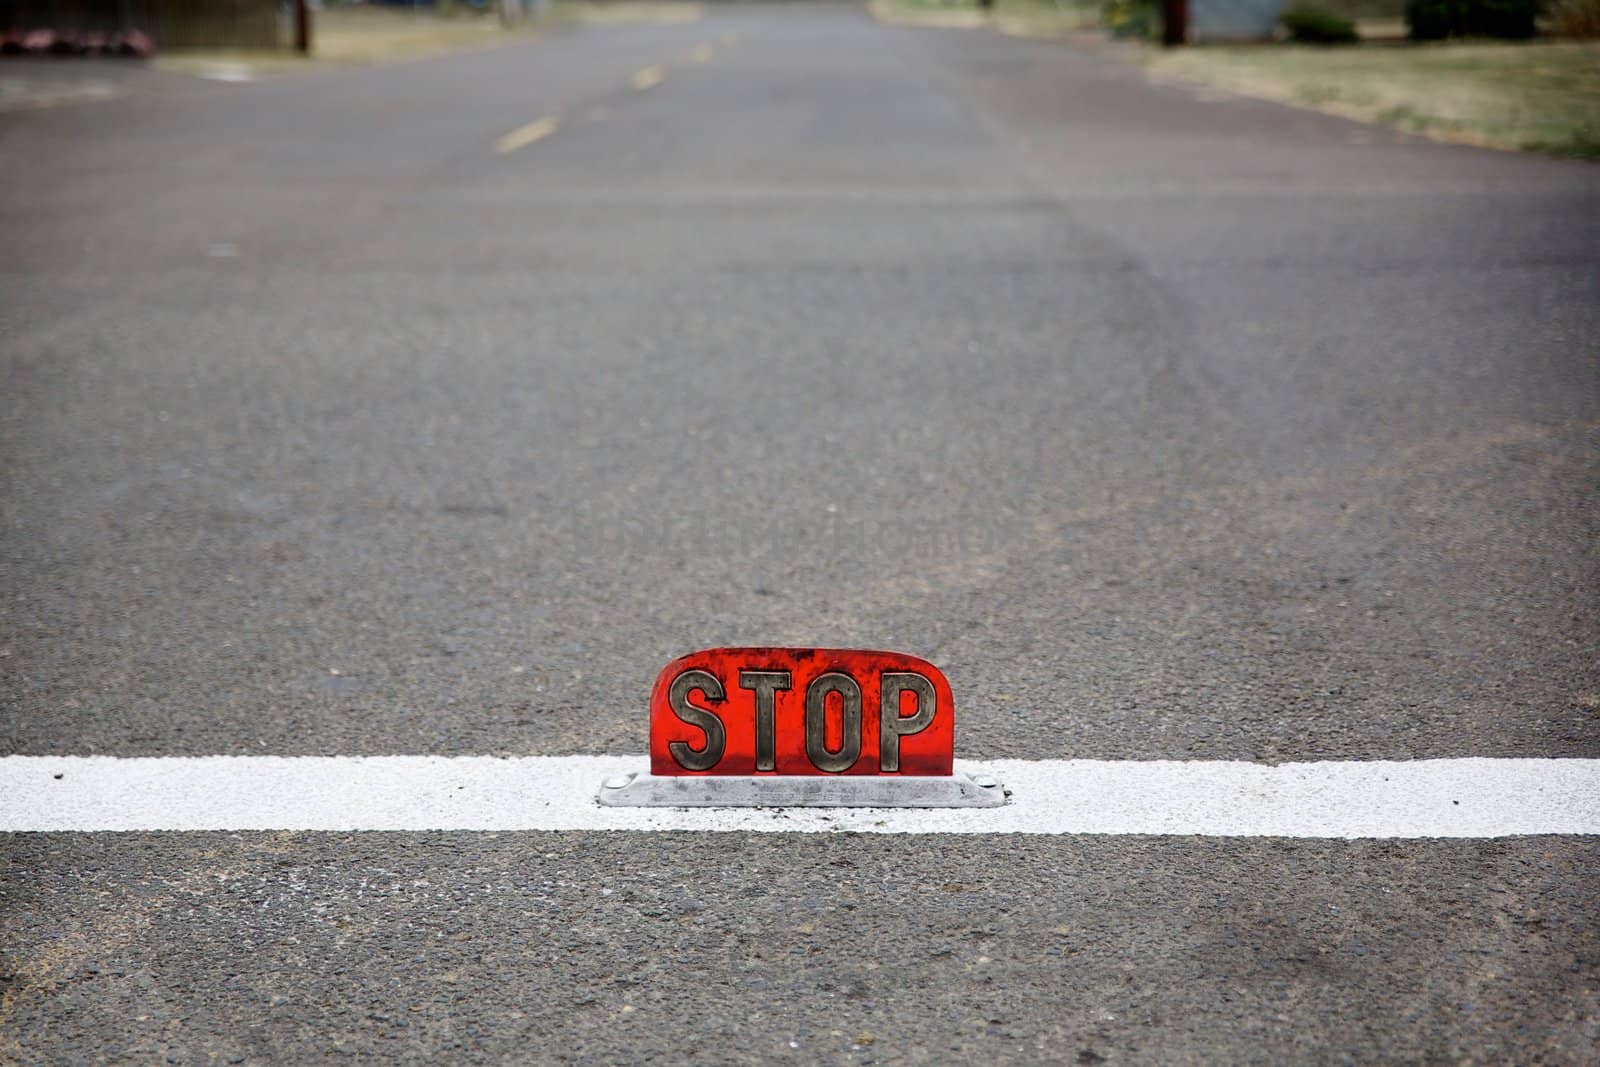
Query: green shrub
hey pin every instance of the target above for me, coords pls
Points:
(1431, 20)
(1132, 18)
(1434, 20)
(1315, 25)
(1575, 18)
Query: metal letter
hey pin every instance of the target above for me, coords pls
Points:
(891, 725)
(765, 685)
(849, 722)
(716, 736)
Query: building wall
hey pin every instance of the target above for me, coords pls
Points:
(1225, 20)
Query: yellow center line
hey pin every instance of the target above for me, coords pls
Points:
(702, 54)
(523, 136)
(649, 77)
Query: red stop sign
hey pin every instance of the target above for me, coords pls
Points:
(757, 711)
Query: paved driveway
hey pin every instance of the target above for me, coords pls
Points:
(1172, 428)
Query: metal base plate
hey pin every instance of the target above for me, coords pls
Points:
(643, 790)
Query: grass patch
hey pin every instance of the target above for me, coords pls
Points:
(1019, 18)
(358, 35)
(1539, 96)
(362, 34)
(374, 35)
(625, 11)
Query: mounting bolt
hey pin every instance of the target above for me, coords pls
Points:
(617, 781)
(984, 781)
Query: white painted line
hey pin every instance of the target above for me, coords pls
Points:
(1473, 798)
(523, 136)
(228, 72)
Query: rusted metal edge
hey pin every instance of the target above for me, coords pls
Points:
(644, 790)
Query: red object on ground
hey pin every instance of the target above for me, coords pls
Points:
(134, 43)
(803, 711)
(38, 42)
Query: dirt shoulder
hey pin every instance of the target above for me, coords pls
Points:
(366, 35)
(1541, 96)
(1535, 96)
(1019, 18)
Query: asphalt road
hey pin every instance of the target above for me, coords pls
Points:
(1171, 427)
